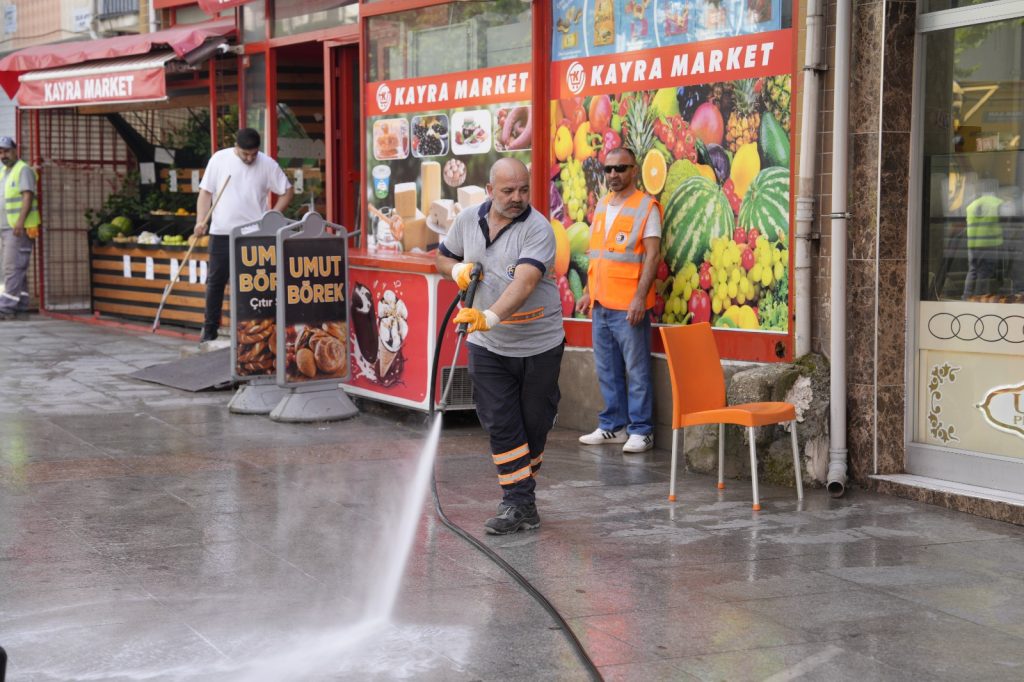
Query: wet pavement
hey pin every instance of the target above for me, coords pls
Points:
(147, 534)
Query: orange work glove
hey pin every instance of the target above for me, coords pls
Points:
(461, 273)
(478, 320)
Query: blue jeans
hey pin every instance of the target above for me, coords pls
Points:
(622, 356)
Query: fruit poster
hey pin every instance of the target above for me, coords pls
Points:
(312, 310)
(585, 28)
(383, 308)
(711, 125)
(430, 146)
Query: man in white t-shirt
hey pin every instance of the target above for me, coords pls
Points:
(254, 175)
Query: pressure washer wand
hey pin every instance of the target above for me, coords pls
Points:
(467, 297)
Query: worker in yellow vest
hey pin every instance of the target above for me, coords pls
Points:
(18, 227)
(984, 245)
(625, 240)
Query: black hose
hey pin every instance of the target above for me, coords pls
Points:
(574, 642)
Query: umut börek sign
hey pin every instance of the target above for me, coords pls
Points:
(747, 56)
(449, 91)
(140, 85)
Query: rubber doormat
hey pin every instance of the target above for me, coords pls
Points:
(199, 372)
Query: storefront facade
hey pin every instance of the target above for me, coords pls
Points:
(388, 113)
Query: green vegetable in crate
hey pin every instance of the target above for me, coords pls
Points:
(123, 224)
(106, 232)
(696, 213)
(766, 204)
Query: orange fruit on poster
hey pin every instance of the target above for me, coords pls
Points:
(655, 171)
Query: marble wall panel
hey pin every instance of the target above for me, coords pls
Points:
(898, 70)
(891, 422)
(866, 67)
(860, 430)
(860, 335)
(892, 320)
(893, 192)
(862, 200)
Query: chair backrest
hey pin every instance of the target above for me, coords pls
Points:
(698, 382)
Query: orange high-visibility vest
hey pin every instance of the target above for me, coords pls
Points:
(617, 254)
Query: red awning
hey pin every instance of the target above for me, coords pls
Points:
(180, 39)
(127, 80)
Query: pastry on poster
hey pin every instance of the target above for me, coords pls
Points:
(316, 352)
(567, 25)
(257, 347)
(390, 139)
(604, 23)
(514, 126)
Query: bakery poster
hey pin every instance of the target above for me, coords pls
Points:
(384, 308)
(711, 123)
(254, 320)
(586, 28)
(254, 297)
(430, 146)
(312, 308)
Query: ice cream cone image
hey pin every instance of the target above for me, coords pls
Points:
(392, 330)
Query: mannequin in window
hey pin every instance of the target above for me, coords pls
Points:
(984, 242)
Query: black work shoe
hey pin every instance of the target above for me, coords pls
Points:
(208, 335)
(511, 519)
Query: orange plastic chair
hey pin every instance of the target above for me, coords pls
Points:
(698, 397)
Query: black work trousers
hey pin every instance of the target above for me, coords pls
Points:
(516, 400)
(216, 279)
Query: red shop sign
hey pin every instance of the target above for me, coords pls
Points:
(448, 91)
(748, 56)
(139, 85)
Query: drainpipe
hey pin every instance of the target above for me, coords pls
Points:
(836, 480)
(814, 65)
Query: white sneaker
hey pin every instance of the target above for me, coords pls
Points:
(600, 437)
(639, 443)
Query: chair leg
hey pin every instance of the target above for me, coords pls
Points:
(796, 464)
(675, 452)
(753, 468)
(721, 456)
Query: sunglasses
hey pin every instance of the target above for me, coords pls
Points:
(621, 168)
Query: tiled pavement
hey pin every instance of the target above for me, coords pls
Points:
(146, 534)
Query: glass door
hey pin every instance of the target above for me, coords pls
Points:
(968, 422)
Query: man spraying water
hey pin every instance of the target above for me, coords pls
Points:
(516, 337)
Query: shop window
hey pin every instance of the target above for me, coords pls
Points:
(256, 94)
(301, 16)
(973, 209)
(254, 22)
(939, 5)
(300, 125)
(448, 39)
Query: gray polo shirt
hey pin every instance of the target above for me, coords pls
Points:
(537, 325)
